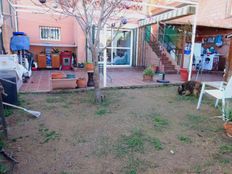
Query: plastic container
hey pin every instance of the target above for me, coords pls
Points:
(70, 76)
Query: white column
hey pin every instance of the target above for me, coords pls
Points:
(193, 42)
(105, 59)
(137, 46)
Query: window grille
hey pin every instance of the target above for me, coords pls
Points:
(50, 33)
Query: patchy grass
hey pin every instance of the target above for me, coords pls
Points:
(8, 111)
(157, 144)
(197, 169)
(101, 111)
(132, 166)
(183, 98)
(48, 135)
(139, 131)
(131, 143)
(54, 99)
(159, 122)
(184, 139)
(225, 148)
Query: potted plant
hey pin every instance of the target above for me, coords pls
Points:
(89, 66)
(81, 83)
(228, 123)
(148, 74)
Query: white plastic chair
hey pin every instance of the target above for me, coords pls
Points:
(223, 92)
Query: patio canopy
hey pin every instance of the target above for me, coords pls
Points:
(144, 12)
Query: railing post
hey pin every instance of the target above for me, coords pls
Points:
(193, 42)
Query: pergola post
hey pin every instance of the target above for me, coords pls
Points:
(194, 27)
(105, 60)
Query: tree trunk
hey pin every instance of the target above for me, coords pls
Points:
(228, 73)
(99, 97)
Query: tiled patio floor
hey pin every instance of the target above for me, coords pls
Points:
(40, 80)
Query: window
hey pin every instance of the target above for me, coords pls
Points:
(229, 8)
(50, 33)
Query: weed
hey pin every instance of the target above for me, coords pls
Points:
(225, 149)
(221, 158)
(48, 135)
(3, 169)
(184, 139)
(186, 98)
(160, 122)
(195, 119)
(8, 112)
(157, 144)
(131, 143)
(101, 111)
(132, 166)
(21, 100)
(197, 169)
(224, 161)
(54, 99)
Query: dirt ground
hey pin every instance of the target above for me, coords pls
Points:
(135, 131)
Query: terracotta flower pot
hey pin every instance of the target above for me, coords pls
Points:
(81, 83)
(228, 128)
(89, 67)
(147, 78)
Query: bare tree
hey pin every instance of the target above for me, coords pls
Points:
(89, 13)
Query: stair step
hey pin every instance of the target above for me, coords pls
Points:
(169, 66)
(170, 71)
(166, 62)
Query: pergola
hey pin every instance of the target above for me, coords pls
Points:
(164, 10)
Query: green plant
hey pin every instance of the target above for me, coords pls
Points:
(3, 169)
(225, 149)
(101, 111)
(184, 139)
(130, 143)
(160, 122)
(229, 114)
(48, 135)
(7, 112)
(148, 72)
(157, 144)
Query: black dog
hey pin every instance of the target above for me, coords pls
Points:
(190, 88)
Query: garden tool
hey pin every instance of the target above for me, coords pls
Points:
(34, 113)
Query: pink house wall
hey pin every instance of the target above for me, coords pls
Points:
(30, 24)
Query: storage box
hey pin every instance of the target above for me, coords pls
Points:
(63, 83)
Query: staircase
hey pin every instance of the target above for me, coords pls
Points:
(165, 59)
